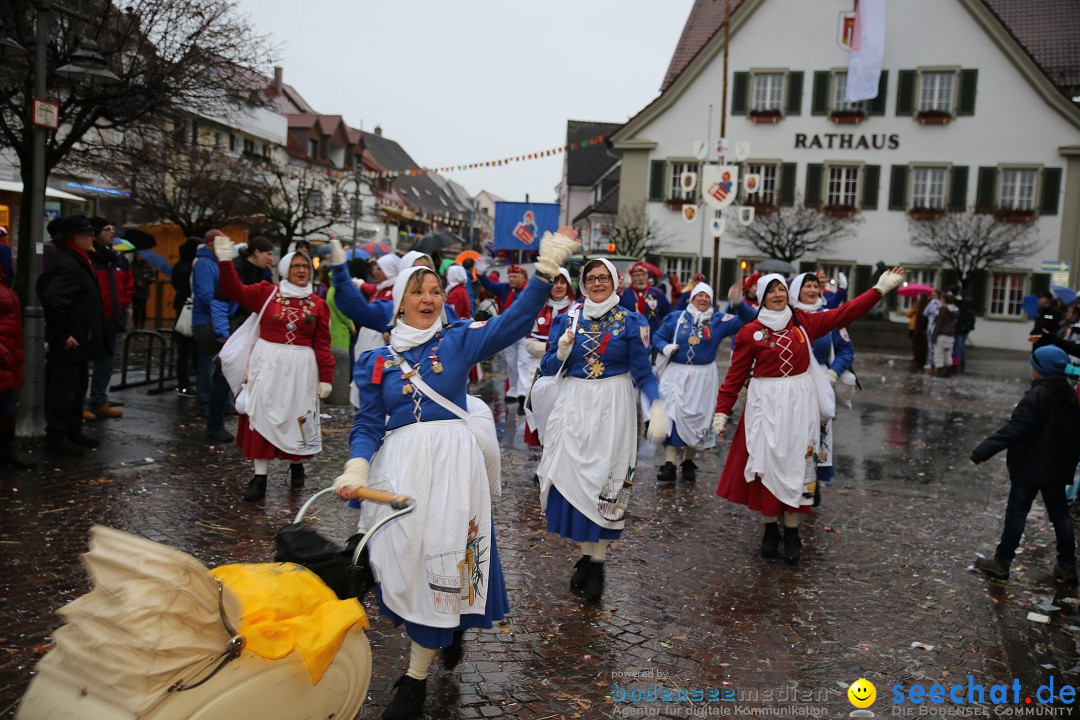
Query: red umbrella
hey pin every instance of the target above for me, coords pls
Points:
(913, 289)
(375, 249)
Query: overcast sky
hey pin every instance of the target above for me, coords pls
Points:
(463, 82)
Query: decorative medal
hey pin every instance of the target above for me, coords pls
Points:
(436, 366)
(406, 388)
(596, 368)
(693, 340)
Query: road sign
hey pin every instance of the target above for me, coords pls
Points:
(46, 114)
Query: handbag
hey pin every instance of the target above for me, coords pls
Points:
(544, 391)
(183, 321)
(825, 395)
(236, 351)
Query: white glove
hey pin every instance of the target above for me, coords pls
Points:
(354, 476)
(566, 343)
(337, 253)
(535, 348)
(554, 249)
(832, 376)
(658, 422)
(841, 281)
(888, 282)
(669, 349)
(719, 424)
(223, 248)
(324, 390)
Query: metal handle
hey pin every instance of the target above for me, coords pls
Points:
(397, 502)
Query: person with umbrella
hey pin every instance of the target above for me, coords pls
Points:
(647, 301)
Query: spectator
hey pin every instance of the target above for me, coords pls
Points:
(965, 323)
(212, 388)
(7, 268)
(917, 332)
(11, 372)
(144, 274)
(1047, 319)
(944, 335)
(185, 346)
(930, 312)
(115, 280)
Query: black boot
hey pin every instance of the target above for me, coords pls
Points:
(792, 545)
(297, 475)
(666, 475)
(451, 654)
(594, 586)
(256, 489)
(408, 703)
(817, 493)
(581, 573)
(8, 454)
(63, 446)
(689, 471)
(771, 542)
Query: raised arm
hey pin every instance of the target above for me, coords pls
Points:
(498, 289)
(350, 301)
(819, 324)
(250, 297)
(481, 341)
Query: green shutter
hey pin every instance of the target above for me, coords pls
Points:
(706, 268)
(1040, 283)
(806, 266)
(727, 272)
(966, 103)
(958, 182)
(877, 105)
(813, 185)
(905, 93)
(794, 92)
(863, 280)
(898, 188)
(1051, 187)
(978, 292)
(819, 102)
(949, 277)
(871, 184)
(986, 189)
(786, 193)
(657, 178)
(740, 81)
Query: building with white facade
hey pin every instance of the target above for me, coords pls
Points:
(975, 109)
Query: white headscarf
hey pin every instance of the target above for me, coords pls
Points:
(391, 266)
(410, 258)
(595, 311)
(796, 289)
(772, 319)
(405, 337)
(287, 288)
(558, 305)
(455, 275)
(698, 315)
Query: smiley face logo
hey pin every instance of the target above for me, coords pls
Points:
(862, 693)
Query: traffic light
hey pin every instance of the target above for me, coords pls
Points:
(611, 248)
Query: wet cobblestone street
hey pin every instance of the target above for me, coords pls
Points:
(688, 603)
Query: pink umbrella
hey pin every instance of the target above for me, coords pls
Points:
(913, 289)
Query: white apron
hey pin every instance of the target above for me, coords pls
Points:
(689, 391)
(591, 446)
(782, 430)
(433, 564)
(282, 400)
(366, 339)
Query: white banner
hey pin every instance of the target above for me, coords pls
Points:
(746, 214)
(867, 51)
(720, 184)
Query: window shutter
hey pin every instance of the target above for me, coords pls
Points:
(819, 103)
(986, 189)
(905, 93)
(949, 277)
(727, 272)
(739, 86)
(966, 103)
(1040, 283)
(862, 280)
(806, 266)
(1051, 186)
(977, 292)
(786, 194)
(813, 185)
(706, 268)
(877, 105)
(958, 182)
(794, 90)
(898, 190)
(871, 184)
(657, 180)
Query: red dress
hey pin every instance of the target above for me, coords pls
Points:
(772, 354)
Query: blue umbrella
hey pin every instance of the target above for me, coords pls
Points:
(357, 253)
(1066, 294)
(1030, 305)
(157, 260)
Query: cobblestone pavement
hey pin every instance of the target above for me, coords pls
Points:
(688, 603)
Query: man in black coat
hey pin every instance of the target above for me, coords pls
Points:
(1043, 441)
(71, 299)
(1047, 320)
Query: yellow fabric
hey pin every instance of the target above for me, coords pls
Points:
(287, 606)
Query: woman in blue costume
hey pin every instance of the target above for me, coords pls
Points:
(438, 568)
(590, 442)
(689, 380)
(834, 352)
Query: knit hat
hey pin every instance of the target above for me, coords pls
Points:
(1049, 360)
(516, 269)
(751, 281)
(639, 267)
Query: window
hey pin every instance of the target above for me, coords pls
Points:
(1006, 293)
(313, 148)
(839, 104)
(768, 92)
(917, 276)
(315, 202)
(266, 150)
(928, 188)
(843, 186)
(937, 92)
(832, 274)
(675, 189)
(683, 267)
(219, 141)
(1018, 190)
(766, 195)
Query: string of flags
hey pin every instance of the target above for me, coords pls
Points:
(551, 152)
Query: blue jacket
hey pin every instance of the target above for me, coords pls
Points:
(372, 315)
(654, 315)
(709, 335)
(204, 280)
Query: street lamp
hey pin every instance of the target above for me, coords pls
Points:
(87, 63)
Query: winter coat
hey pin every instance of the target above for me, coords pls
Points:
(945, 322)
(71, 299)
(11, 340)
(204, 281)
(1042, 436)
(116, 283)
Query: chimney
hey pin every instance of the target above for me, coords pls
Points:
(278, 73)
(378, 130)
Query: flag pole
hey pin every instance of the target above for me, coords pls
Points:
(714, 276)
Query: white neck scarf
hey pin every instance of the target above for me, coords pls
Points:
(595, 311)
(699, 316)
(796, 289)
(405, 337)
(775, 319)
(558, 305)
(287, 288)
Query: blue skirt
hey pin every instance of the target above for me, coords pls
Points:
(674, 439)
(498, 604)
(565, 519)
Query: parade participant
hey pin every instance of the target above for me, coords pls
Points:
(290, 369)
(649, 302)
(688, 381)
(384, 272)
(749, 286)
(517, 356)
(405, 440)
(559, 301)
(834, 352)
(590, 441)
(457, 296)
(769, 466)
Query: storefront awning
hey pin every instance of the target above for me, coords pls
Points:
(17, 187)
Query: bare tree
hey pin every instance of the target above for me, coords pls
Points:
(634, 234)
(167, 53)
(970, 241)
(789, 233)
(296, 201)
